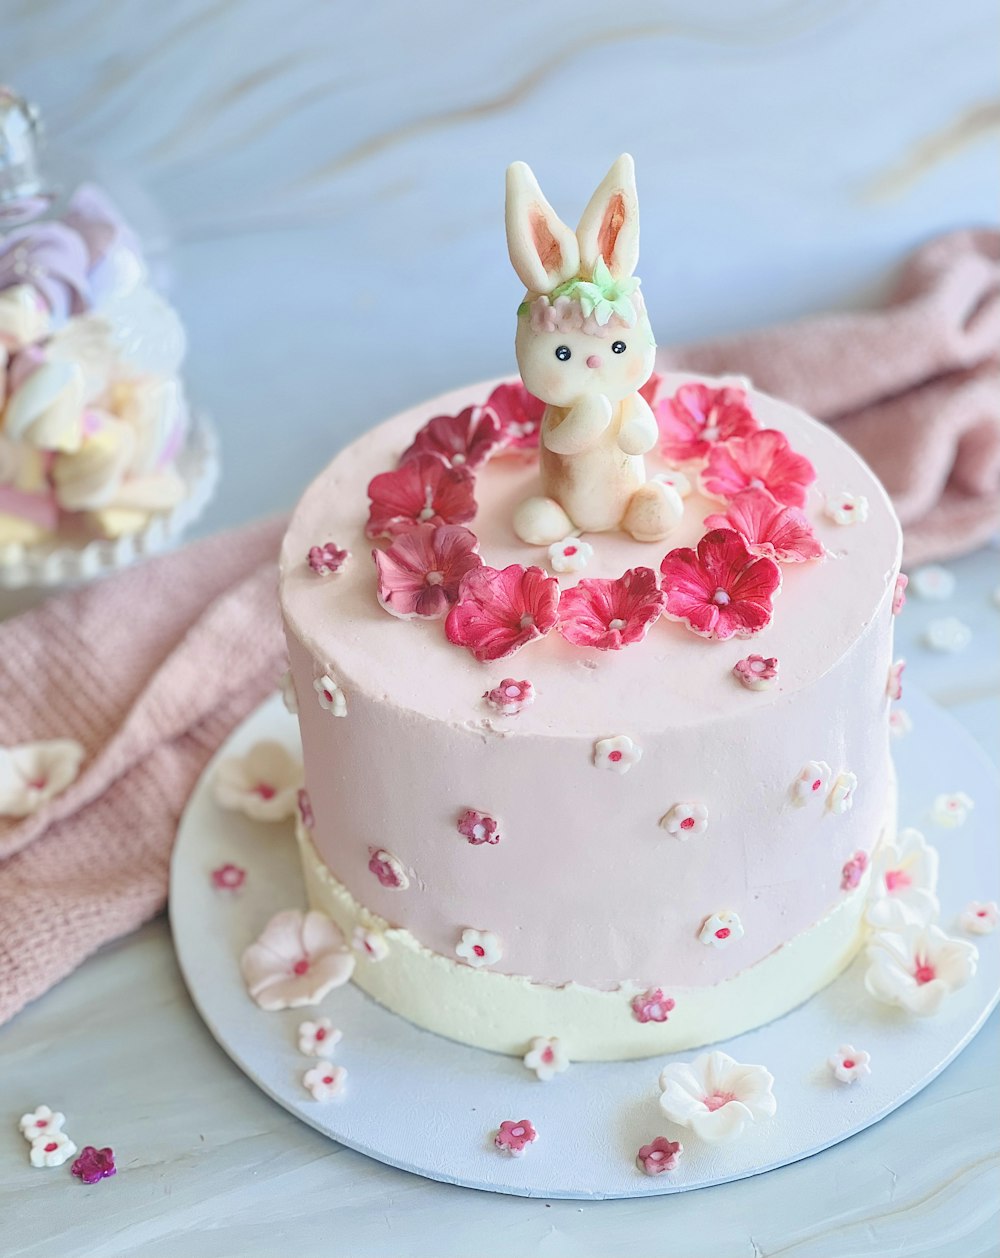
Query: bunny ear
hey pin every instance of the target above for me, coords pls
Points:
(543, 250)
(609, 228)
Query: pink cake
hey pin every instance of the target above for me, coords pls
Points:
(622, 792)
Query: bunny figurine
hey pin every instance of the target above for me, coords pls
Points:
(585, 347)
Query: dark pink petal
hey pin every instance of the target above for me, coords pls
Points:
(423, 490)
(650, 389)
(611, 614)
(465, 440)
(698, 416)
(762, 460)
(498, 612)
(421, 572)
(720, 590)
(520, 414)
(769, 528)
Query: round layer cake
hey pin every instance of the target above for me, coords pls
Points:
(660, 850)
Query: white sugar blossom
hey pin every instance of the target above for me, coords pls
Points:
(980, 919)
(918, 967)
(904, 882)
(263, 784)
(618, 754)
(932, 582)
(721, 929)
(318, 1038)
(717, 1097)
(952, 810)
(570, 555)
(41, 1122)
(841, 797)
(813, 779)
(949, 634)
(51, 1150)
(479, 947)
(33, 773)
(370, 943)
(324, 1081)
(685, 819)
(850, 1064)
(847, 508)
(546, 1057)
(331, 697)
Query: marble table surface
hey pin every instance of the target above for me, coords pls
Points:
(327, 175)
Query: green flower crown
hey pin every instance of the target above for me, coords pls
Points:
(602, 296)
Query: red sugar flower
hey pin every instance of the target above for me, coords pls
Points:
(229, 877)
(514, 1137)
(652, 1006)
(465, 440)
(659, 1156)
(611, 614)
(500, 611)
(769, 528)
(520, 414)
(424, 490)
(721, 590)
(698, 416)
(763, 460)
(420, 574)
(478, 828)
(94, 1165)
(327, 559)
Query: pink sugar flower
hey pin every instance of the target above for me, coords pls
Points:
(387, 869)
(763, 460)
(609, 615)
(899, 593)
(697, 417)
(511, 696)
(305, 809)
(297, 959)
(228, 877)
(894, 685)
(93, 1165)
(853, 871)
(478, 828)
(514, 1137)
(465, 440)
(769, 528)
(652, 1006)
(520, 414)
(721, 590)
(327, 559)
(500, 611)
(423, 490)
(757, 672)
(659, 1156)
(420, 573)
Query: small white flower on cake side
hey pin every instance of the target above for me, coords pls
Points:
(618, 754)
(850, 1064)
(918, 967)
(685, 819)
(570, 555)
(904, 882)
(721, 929)
(949, 634)
(717, 1097)
(841, 797)
(370, 943)
(546, 1057)
(813, 779)
(289, 698)
(51, 1150)
(331, 698)
(33, 773)
(324, 1081)
(263, 784)
(319, 1038)
(479, 947)
(980, 919)
(952, 810)
(41, 1122)
(846, 508)
(932, 582)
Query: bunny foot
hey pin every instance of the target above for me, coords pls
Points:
(541, 521)
(654, 510)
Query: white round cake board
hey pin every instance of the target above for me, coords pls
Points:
(425, 1104)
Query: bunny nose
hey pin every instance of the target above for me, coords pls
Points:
(594, 360)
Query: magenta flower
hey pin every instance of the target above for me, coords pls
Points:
(899, 593)
(94, 1164)
(327, 559)
(465, 440)
(228, 877)
(514, 1137)
(420, 574)
(851, 874)
(500, 611)
(423, 490)
(659, 1156)
(721, 590)
(520, 414)
(769, 528)
(763, 460)
(511, 696)
(698, 416)
(478, 828)
(652, 1006)
(305, 809)
(387, 869)
(757, 672)
(609, 615)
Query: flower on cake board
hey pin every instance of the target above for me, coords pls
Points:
(697, 417)
(263, 784)
(520, 414)
(904, 882)
(479, 947)
(424, 490)
(296, 960)
(846, 508)
(331, 698)
(716, 1096)
(228, 877)
(894, 684)
(572, 554)
(762, 460)
(952, 810)
(769, 528)
(419, 575)
(918, 967)
(327, 559)
(933, 582)
(949, 635)
(841, 797)
(659, 1155)
(980, 919)
(652, 1006)
(611, 614)
(371, 944)
(720, 590)
(42, 1121)
(899, 593)
(52, 1149)
(721, 929)
(685, 819)
(511, 696)
(319, 1038)
(93, 1165)
(464, 440)
(849, 1063)
(501, 610)
(546, 1057)
(478, 827)
(387, 869)
(674, 479)
(757, 672)
(31, 774)
(514, 1136)
(618, 754)
(325, 1082)
(853, 871)
(813, 779)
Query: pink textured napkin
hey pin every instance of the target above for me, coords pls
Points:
(913, 386)
(149, 671)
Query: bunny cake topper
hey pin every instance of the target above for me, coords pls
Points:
(585, 347)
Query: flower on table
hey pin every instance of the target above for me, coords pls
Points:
(286, 684)
(479, 947)
(31, 774)
(769, 528)
(900, 722)
(611, 614)
(264, 784)
(721, 929)
(698, 417)
(849, 1063)
(478, 827)
(501, 610)
(685, 819)
(652, 1006)
(813, 779)
(846, 508)
(952, 809)
(325, 1082)
(853, 871)
(918, 967)
(306, 814)
(894, 684)
(296, 960)
(370, 943)
(327, 559)
(570, 555)
(720, 590)
(933, 582)
(899, 593)
(659, 1155)
(948, 634)
(546, 1057)
(515, 1136)
(424, 490)
(42, 1121)
(52, 1149)
(319, 1038)
(331, 698)
(716, 1096)
(387, 869)
(464, 440)
(511, 696)
(841, 797)
(762, 460)
(904, 882)
(618, 754)
(674, 479)
(93, 1165)
(757, 672)
(520, 414)
(228, 877)
(980, 919)
(420, 573)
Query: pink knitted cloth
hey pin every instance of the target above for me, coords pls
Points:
(149, 670)
(914, 387)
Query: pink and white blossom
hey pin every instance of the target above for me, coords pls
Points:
(511, 696)
(546, 1057)
(331, 698)
(849, 1063)
(659, 1155)
(52, 1149)
(762, 460)
(611, 614)
(846, 508)
(420, 573)
(717, 1097)
(296, 960)
(721, 929)
(811, 783)
(918, 967)
(520, 414)
(894, 684)
(371, 944)
(306, 814)
(757, 672)
(951, 810)
(229, 877)
(327, 559)
(674, 479)
(899, 593)
(841, 797)
(900, 722)
(853, 871)
(948, 634)
(698, 417)
(720, 590)
(932, 582)
(685, 819)
(500, 611)
(980, 918)
(479, 947)
(42, 1121)
(325, 1082)
(618, 754)
(572, 554)
(387, 869)
(652, 1006)
(904, 883)
(32, 774)
(424, 490)
(769, 528)
(263, 785)
(464, 440)
(478, 827)
(514, 1136)
(318, 1038)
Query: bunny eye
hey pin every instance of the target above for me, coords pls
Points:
(618, 347)
(564, 353)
